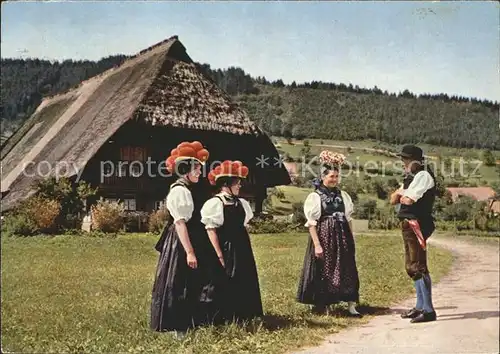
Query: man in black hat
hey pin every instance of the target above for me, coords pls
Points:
(416, 198)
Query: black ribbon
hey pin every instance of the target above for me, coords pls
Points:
(231, 198)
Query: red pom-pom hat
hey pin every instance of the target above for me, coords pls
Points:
(228, 169)
(187, 151)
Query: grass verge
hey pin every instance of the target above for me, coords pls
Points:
(82, 294)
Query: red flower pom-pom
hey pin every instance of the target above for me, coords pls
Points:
(187, 151)
(202, 155)
(196, 145)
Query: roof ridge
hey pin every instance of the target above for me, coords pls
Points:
(76, 87)
(170, 39)
(135, 56)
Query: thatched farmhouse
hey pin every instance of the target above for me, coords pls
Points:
(135, 112)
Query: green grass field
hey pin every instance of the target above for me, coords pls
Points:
(82, 294)
(298, 195)
(432, 150)
(292, 195)
(359, 156)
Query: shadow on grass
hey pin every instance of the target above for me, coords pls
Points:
(274, 322)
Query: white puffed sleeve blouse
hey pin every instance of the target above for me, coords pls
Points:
(180, 203)
(212, 212)
(312, 207)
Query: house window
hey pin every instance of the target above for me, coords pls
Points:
(129, 204)
(159, 204)
(107, 170)
(133, 153)
(135, 170)
(122, 170)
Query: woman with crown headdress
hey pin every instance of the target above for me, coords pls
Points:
(180, 288)
(329, 274)
(225, 217)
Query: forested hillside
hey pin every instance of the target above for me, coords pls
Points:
(313, 110)
(334, 114)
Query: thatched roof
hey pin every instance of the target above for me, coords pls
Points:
(160, 86)
(193, 102)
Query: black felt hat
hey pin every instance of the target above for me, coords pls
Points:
(412, 152)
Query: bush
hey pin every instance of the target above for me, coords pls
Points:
(305, 151)
(298, 216)
(71, 222)
(18, 225)
(481, 221)
(355, 185)
(384, 219)
(381, 189)
(488, 158)
(43, 212)
(108, 216)
(464, 225)
(263, 217)
(158, 219)
(34, 215)
(352, 193)
(278, 193)
(463, 209)
(493, 224)
(270, 227)
(71, 197)
(136, 221)
(365, 209)
(300, 182)
(393, 184)
(445, 225)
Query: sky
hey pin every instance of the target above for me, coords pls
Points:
(426, 47)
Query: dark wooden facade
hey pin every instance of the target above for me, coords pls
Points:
(120, 167)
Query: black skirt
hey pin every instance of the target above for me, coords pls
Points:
(182, 297)
(238, 289)
(334, 278)
(242, 299)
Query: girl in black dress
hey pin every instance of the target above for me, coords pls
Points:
(181, 291)
(226, 216)
(329, 275)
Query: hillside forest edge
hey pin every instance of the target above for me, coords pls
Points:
(314, 109)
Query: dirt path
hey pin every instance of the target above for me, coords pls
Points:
(466, 302)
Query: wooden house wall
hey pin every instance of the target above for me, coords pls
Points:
(138, 142)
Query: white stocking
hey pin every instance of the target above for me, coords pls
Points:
(352, 308)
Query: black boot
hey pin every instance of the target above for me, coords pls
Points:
(424, 317)
(412, 313)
